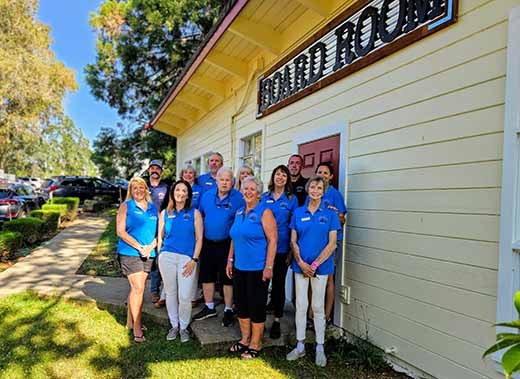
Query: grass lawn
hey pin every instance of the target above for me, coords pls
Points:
(55, 338)
(103, 259)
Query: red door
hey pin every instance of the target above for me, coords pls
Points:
(321, 150)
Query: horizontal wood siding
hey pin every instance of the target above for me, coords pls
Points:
(424, 176)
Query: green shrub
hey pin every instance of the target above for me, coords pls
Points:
(60, 208)
(51, 220)
(9, 243)
(30, 228)
(72, 204)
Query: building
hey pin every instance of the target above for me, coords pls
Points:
(418, 103)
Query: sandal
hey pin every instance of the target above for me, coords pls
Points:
(250, 354)
(139, 339)
(238, 347)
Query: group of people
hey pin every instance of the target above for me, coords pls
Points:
(217, 230)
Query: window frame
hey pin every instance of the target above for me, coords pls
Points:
(241, 151)
(509, 244)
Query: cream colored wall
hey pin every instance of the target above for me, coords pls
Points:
(424, 174)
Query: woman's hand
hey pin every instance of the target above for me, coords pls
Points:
(146, 251)
(307, 269)
(267, 274)
(229, 270)
(189, 268)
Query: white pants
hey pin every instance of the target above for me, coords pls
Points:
(318, 285)
(178, 289)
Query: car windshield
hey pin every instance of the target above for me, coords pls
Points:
(5, 193)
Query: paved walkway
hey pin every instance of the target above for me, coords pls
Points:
(51, 270)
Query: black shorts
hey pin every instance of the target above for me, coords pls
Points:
(131, 264)
(250, 294)
(213, 261)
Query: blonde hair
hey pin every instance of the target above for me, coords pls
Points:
(141, 182)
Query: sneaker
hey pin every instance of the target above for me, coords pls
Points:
(321, 359)
(172, 334)
(275, 330)
(155, 297)
(205, 313)
(295, 354)
(185, 335)
(229, 318)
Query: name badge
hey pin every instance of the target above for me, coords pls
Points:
(138, 212)
(270, 201)
(306, 219)
(209, 183)
(239, 213)
(172, 216)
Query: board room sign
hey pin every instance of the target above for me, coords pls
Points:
(364, 33)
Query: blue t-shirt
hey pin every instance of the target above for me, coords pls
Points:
(159, 193)
(207, 182)
(141, 225)
(249, 239)
(333, 198)
(282, 209)
(313, 235)
(196, 191)
(219, 213)
(179, 232)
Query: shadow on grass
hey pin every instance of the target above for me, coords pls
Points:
(54, 338)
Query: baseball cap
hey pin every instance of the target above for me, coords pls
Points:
(156, 162)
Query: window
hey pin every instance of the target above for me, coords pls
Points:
(251, 153)
(195, 162)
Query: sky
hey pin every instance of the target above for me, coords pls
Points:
(74, 44)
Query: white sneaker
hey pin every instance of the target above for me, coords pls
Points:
(295, 354)
(172, 334)
(185, 335)
(321, 359)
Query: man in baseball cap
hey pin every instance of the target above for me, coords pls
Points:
(159, 190)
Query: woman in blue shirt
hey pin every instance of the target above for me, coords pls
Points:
(313, 240)
(332, 199)
(179, 243)
(136, 227)
(189, 174)
(253, 248)
(280, 199)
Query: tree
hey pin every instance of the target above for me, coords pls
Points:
(142, 47)
(36, 137)
(106, 153)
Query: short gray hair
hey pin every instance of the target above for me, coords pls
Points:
(189, 167)
(223, 170)
(217, 154)
(314, 179)
(254, 179)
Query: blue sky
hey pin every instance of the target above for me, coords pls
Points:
(74, 44)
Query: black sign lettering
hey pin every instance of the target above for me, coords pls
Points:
(316, 73)
(300, 64)
(384, 34)
(368, 13)
(344, 45)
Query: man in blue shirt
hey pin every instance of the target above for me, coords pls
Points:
(159, 194)
(218, 207)
(208, 180)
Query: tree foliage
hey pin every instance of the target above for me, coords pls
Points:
(121, 153)
(142, 47)
(37, 139)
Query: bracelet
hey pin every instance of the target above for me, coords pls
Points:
(230, 260)
(195, 259)
(314, 265)
(269, 267)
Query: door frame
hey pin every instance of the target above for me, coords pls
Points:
(341, 128)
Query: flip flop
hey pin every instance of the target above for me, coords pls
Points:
(238, 347)
(139, 339)
(253, 353)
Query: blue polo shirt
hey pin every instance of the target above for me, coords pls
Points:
(313, 235)
(282, 209)
(159, 193)
(141, 225)
(197, 191)
(249, 239)
(207, 182)
(332, 197)
(219, 213)
(179, 232)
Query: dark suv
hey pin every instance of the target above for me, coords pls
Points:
(85, 187)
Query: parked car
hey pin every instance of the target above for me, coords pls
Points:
(33, 182)
(18, 201)
(123, 183)
(85, 187)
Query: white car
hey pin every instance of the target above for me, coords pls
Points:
(33, 182)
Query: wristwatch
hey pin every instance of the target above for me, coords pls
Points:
(196, 260)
